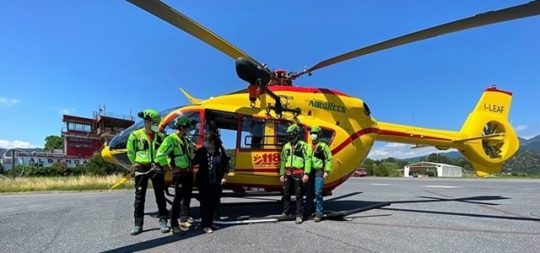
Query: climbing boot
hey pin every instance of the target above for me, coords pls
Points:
(177, 231)
(163, 226)
(136, 230)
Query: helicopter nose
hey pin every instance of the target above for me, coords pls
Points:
(107, 156)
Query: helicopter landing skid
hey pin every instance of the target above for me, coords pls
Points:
(329, 215)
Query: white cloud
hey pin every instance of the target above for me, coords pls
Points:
(67, 111)
(375, 153)
(15, 144)
(8, 101)
(521, 127)
(400, 150)
(397, 145)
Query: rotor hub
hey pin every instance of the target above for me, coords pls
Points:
(281, 78)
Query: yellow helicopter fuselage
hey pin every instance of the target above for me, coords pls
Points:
(343, 116)
(350, 132)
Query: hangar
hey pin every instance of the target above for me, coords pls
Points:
(429, 169)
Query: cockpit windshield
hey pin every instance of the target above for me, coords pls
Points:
(193, 116)
(120, 141)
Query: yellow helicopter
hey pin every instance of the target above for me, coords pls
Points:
(259, 115)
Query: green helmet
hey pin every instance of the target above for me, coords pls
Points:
(293, 129)
(315, 130)
(182, 122)
(151, 115)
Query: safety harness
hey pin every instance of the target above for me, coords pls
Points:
(180, 156)
(298, 152)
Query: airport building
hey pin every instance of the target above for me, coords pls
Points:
(83, 138)
(429, 169)
(40, 158)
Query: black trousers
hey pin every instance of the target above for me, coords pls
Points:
(217, 212)
(293, 183)
(141, 184)
(209, 197)
(183, 189)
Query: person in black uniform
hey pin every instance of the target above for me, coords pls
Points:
(212, 167)
(213, 128)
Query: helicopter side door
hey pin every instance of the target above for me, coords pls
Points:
(260, 142)
(252, 142)
(226, 124)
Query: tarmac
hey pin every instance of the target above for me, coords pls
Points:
(425, 215)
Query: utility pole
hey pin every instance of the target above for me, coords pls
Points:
(13, 164)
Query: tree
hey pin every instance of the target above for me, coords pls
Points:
(97, 166)
(402, 163)
(368, 163)
(438, 158)
(60, 169)
(54, 142)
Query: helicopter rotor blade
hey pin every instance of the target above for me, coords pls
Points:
(491, 17)
(174, 17)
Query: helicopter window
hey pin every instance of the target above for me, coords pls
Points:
(120, 140)
(327, 136)
(194, 118)
(252, 136)
(367, 111)
(225, 124)
(281, 130)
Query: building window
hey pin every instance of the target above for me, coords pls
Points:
(79, 127)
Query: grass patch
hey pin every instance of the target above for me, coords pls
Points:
(75, 183)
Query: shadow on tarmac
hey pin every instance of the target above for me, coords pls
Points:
(155, 242)
(267, 208)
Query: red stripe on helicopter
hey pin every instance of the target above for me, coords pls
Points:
(354, 137)
(307, 90)
(497, 90)
(408, 135)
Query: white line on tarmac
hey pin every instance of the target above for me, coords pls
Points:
(442, 186)
(380, 184)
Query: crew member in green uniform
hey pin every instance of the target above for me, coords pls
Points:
(322, 162)
(176, 153)
(185, 220)
(294, 170)
(142, 147)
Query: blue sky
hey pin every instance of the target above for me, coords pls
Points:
(72, 56)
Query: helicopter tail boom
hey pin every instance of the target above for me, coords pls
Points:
(486, 139)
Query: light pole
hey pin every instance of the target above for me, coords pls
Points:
(13, 163)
